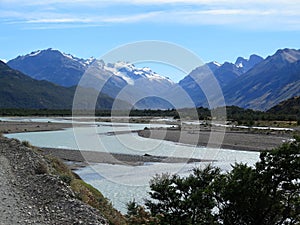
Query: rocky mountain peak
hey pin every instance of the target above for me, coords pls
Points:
(247, 64)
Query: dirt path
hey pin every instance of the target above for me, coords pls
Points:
(15, 207)
(30, 194)
(10, 198)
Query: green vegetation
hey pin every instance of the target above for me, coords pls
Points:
(265, 194)
(235, 114)
(287, 107)
(86, 192)
(49, 112)
(82, 190)
(137, 215)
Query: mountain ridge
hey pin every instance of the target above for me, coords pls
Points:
(273, 80)
(18, 90)
(66, 70)
(247, 83)
(51, 65)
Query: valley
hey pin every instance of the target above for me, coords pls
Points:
(174, 112)
(117, 146)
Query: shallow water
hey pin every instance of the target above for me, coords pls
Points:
(123, 183)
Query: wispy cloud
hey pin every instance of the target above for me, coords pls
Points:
(59, 20)
(131, 18)
(255, 14)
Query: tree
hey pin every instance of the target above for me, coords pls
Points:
(279, 170)
(183, 201)
(267, 194)
(137, 215)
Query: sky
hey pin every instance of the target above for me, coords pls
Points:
(215, 30)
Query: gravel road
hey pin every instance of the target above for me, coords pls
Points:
(29, 194)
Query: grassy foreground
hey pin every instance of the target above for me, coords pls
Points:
(86, 192)
(83, 191)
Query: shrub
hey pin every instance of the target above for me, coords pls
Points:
(66, 178)
(267, 193)
(27, 144)
(41, 168)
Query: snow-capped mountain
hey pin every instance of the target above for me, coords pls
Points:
(51, 65)
(130, 73)
(251, 83)
(124, 81)
(66, 70)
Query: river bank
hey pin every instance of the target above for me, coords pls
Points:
(122, 169)
(242, 139)
(245, 140)
(7, 127)
(32, 192)
(84, 158)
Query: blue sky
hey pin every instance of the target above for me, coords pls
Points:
(219, 30)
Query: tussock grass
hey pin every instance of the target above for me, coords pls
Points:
(87, 193)
(27, 144)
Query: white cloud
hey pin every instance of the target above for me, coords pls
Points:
(131, 18)
(254, 14)
(228, 2)
(59, 20)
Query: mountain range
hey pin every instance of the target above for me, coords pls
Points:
(275, 79)
(18, 90)
(255, 83)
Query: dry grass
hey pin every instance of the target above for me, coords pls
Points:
(86, 192)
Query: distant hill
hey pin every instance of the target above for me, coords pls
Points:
(287, 107)
(273, 80)
(20, 91)
(224, 73)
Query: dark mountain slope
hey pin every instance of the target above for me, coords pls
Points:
(224, 74)
(20, 91)
(287, 107)
(275, 79)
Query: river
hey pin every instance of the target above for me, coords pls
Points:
(123, 183)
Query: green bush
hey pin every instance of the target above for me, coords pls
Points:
(66, 178)
(267, 193)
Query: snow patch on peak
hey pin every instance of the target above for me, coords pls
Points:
(239, 65)
(35, 53)
(217, 64)
(130, 73)
(83, 62)
(147, 69)
(89, 61)
(68, 56)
